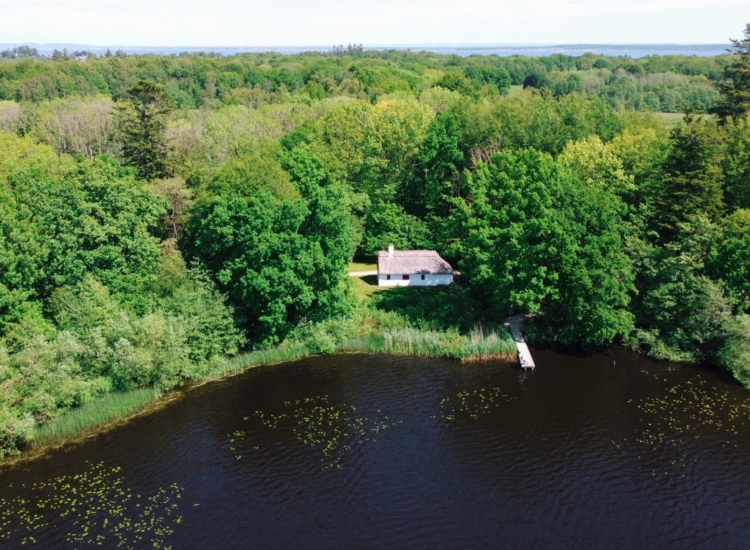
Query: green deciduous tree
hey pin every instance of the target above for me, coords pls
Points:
(373, 150)
(681, 312)
(92, 220)
(735, 351)
(597, 166)
(279, 262)
(729, 260)
(532, 236)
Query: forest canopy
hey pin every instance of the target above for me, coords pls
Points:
(160, 214)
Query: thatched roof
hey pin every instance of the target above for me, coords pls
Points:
(412, 262)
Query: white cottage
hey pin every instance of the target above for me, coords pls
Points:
(412, 268)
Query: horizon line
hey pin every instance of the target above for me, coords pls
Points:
(402, 45)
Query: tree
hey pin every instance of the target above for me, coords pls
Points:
(735, 88)
(141, 128)
(21, 259)
(736, 165)
(374, 149)
(692, 183)
(533, 236)
(597, 165)
(735, 351)
(681, 312)
(19, 52)
(439, 167)
(78, 126)
(729, 261)
(248, 174)
(456, 82)
(280, 262)
(496, 76)
(92, 220)
(535, 80)
(179, 198)
(12, 117)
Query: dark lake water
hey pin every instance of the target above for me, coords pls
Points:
(392, 452)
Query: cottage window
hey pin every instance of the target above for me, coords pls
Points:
(423, 276)
(406, 277)
(388, 277)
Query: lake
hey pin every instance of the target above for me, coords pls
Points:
(607, 450)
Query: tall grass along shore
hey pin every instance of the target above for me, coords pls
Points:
(371, 332)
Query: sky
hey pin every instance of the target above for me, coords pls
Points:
(370, 22)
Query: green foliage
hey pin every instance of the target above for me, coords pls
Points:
(729, 260)
(22, 153)
(431, 308)
(535, 80)
(735, 87)
(88, 301)
(534, 121)
(97, 412)
(379, 331)
(19, 52)
(141, 125)
(247, 175)
(372, 149)
(94, 219)
(735, 352)
(456, 82)
(279, 262)
(660, 83)
(78, 126)
(597, 165)
(660, 93)
(736, 165)
(681, 311)
(437, 175)
(482, 75)
(560, 200)
(534, 237)
(692, 184)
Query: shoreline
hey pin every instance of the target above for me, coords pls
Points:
(64, 430)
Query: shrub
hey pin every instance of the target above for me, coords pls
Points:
(735, 352)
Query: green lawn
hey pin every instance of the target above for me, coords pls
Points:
(365, 287)
(358, 266)
(670, 120)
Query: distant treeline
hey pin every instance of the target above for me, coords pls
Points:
(668, 83)
(20, 52)
(159, 214)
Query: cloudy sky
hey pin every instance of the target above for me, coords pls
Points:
(371, 22)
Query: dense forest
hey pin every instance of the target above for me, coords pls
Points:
(667, 83)
(160, 214)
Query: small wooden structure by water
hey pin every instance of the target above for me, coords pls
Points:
(516, 329)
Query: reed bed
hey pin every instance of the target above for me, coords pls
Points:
(482, 344)
(97, 412)
(479, 345)
(259, 358)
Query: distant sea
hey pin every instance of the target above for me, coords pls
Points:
(464, 50)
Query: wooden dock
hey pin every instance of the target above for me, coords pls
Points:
(516, 329)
